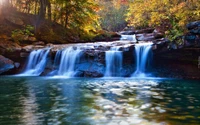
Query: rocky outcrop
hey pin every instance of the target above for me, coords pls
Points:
(189, 39)
(192, 38)
(10, 52)
(149, 34)
(128, 31)
(5, 64)
(179, 63)
(193, 25)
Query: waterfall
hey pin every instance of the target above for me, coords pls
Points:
(142, 52)
(36, 62)
(56, 64)
(114, 59)
(69, 58)
(128, 37)
(57, 59)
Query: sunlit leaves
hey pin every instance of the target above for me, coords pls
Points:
(177, 13)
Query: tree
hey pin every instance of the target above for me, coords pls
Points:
(78, 16)
(174, 14)
(112, 14)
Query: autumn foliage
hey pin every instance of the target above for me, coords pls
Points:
(172, 15)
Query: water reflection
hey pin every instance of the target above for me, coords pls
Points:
(38, 101)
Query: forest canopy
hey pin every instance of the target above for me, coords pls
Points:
(171, 15)
(85, 17)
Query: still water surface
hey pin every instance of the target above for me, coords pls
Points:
(119, 101)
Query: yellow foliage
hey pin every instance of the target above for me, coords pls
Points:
(154, 12)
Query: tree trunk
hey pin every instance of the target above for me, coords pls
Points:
(41, 16)
(49, 9)
(42, 13)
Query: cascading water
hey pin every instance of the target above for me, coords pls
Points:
(128, 37)
(142, 52)
(69, 58)
(57, 59)
(114, 59)
(56, 64)
(36, 62)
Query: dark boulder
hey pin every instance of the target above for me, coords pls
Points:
(189, 39)
(5, 64)
(193, 25)
(195, 31)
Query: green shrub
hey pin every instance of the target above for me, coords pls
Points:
(19, 35)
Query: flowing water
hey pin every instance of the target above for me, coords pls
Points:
(128, 37)
(57, 59)
(43, 100)
(114, 59)
(66, 62)
(36, 62)
(69, 58)
(142, 52)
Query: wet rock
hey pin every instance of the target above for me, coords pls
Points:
(195, 31)
(145, 37)
(127, 32)
(189, 39)
(147, 30)
(5, 64)
(17, 64)
(91, 53)
(29, 48)
(158, 34)
(193, 25)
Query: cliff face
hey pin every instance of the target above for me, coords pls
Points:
(180, 63)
